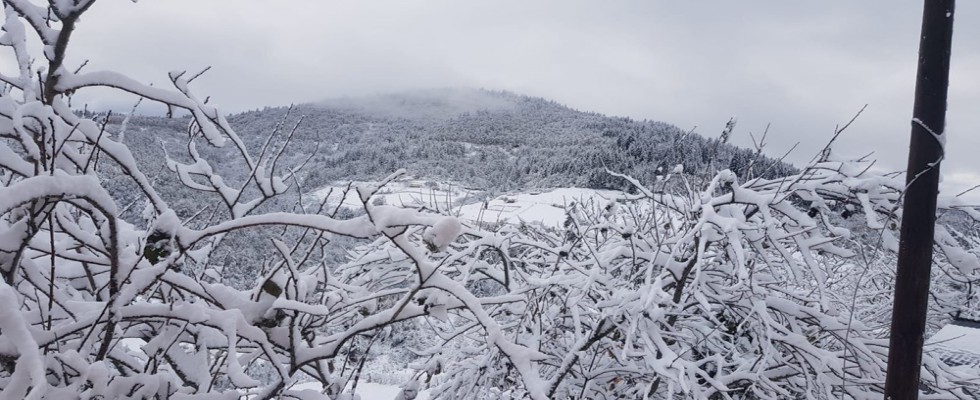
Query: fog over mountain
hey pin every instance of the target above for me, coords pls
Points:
(804, 68)
(495, 141)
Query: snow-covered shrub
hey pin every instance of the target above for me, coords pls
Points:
(99, 306)
(736, 290)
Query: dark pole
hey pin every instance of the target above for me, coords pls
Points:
(919, 209)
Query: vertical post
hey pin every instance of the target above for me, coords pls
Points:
(919, 208)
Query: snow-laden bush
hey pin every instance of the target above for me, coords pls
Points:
(769, 289)
(100, 307)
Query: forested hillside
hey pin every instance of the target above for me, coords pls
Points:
(492, 140)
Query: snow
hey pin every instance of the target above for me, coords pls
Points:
(29, 370)
(408, 193)
(356, 227)
(940, 138)
(367, 390)
(59, 185)
(442, 233)
(957, 338)
(548, 209)
(167, 222)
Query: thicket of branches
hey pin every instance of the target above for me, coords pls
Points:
(768, 288)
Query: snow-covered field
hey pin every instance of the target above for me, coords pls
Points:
(963, 339)
(439, 196)
(367, 390)
(546, 207)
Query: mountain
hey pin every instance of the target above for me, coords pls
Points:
(494, 141)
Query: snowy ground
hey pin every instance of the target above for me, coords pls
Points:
(367, 390)
(962, 338)
(546, 207)
(957, 343)
(439, 196)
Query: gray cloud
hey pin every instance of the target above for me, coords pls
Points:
(803, 68)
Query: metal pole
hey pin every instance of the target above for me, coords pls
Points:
(919, 209)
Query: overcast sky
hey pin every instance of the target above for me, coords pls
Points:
(804, 68)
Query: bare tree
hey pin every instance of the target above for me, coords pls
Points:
(110, 309)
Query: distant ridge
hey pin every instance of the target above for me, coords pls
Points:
(495, 140)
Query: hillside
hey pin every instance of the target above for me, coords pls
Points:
(495, 141)
(482, 144)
